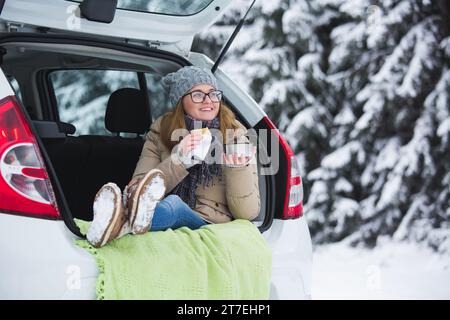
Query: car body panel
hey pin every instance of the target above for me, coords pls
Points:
(5, 88)
(168, 32)
(41, 261)
(291, 246)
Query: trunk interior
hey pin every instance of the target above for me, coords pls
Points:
(84, 161)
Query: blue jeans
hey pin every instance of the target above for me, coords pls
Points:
(173, 213)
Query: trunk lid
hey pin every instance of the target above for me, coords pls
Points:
(168, 25)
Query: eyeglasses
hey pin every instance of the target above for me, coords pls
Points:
(199, 96)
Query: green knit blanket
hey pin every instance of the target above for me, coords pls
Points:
(218, 261)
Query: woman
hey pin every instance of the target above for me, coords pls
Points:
(169, 188)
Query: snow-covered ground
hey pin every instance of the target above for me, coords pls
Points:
(390, 271)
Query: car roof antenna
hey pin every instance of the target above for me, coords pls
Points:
(228, 44)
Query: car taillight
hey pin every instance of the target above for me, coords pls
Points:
(293, 202)
(25, 188)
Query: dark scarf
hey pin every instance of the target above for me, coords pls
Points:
(202, 173)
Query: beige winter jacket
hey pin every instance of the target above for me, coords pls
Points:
(235, 197)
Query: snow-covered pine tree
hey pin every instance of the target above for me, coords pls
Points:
(360, 89)
(387, 175)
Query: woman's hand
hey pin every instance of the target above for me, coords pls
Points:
(234, 160)
(190, 142)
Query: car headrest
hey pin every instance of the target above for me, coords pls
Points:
(127, 111)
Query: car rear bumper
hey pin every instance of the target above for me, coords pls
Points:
(291, 259)
(40, 261)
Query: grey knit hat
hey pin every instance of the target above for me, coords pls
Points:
(180, 82)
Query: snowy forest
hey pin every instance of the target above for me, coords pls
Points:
(360, 89)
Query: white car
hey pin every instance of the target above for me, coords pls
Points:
(58, 74)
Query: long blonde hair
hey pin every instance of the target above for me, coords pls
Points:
(174, 119)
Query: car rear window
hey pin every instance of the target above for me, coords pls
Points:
(82, 96)
(169, 7)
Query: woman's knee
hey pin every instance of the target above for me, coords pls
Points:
(170, 205)
(172, 197)
(174, 201)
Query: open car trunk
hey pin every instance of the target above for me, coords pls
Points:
(83, 161)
